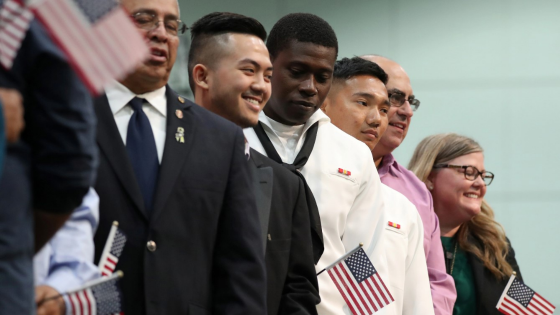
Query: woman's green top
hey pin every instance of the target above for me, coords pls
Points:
(460, 269)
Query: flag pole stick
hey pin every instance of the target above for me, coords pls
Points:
(341, 258)
(118, 274)
(108, 244)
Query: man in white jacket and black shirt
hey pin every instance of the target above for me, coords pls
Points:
(338, 168)
(359, 105)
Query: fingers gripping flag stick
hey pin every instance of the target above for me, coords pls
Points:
(359, 283)
(519, 299)
(112, 250)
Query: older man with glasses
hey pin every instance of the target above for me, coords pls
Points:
(176, 178)
(396, 176)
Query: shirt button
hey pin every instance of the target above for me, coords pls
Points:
(151, 245)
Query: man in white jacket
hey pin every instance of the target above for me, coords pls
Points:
(358, 104)
(338, 168)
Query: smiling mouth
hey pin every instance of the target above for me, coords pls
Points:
(472, 196)
(255, 103)
(398, 125)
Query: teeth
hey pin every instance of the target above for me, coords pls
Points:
(472, 196)
(157, 53)
(253, 101)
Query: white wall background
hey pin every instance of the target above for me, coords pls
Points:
(486, 69)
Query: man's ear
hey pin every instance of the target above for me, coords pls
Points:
(200, 76)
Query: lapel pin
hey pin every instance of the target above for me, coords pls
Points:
(180, 135)
(396, 226)
(344, 172)
(182, 100)
(179, 114)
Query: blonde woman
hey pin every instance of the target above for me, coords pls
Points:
(478, 255)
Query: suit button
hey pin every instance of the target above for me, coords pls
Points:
(151, 245)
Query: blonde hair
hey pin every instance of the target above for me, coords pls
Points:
(442, 148)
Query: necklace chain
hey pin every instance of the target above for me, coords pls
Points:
(453, 262)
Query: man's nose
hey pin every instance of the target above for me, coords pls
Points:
(309, 86)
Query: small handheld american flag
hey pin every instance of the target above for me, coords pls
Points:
(99, 297)
(519, 299)
(112, 250)
(98, 37)
(359, 283)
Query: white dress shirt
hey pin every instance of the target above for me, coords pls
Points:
(409, 284)
(155, 107)
(350, 206)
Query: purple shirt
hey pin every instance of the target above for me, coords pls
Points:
(404, 181)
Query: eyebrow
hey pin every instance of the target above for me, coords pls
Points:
(254, 63)
(151, 11)
(393, 91)
(370, 96)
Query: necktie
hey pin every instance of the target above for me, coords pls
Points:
(299, 162)
(141, 148)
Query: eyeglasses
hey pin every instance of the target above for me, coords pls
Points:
(149, 22)
(397, 99)
(471, 172)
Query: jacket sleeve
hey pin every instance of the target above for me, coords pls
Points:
(60, 125)
(301, 290)
(510, 258)
(239, 279)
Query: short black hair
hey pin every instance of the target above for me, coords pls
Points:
(347, 68)
(204, 32)
(301, 27)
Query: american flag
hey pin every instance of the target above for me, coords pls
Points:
(112, 250)
(14, 23)
(98, 36)
(101, 297)
(359, 283)
(519, 299)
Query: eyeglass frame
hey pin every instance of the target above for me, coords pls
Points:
(478, 172)
(181, 29)
(413, 101)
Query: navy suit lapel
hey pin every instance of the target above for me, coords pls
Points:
(111, 144)
(263, 181)
(181, 128)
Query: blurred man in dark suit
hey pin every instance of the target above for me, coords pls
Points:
(230, 73)
(176, 179)
(49, 170)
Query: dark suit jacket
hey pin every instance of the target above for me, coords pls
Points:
(488, 288)
(292, 283)
(209, 257)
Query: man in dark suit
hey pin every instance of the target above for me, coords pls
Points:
(230, 75)
(175, 178)
(49, 170)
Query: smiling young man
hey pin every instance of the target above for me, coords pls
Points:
(396, 176)
(175, 177)
(358, 104)
(291, 130)
(230, 72)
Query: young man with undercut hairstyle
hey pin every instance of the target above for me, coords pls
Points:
(358, 104)
(396, 176)
(338, 168)
(230, 73)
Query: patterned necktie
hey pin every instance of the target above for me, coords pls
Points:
(141, 148)
(299, 162)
